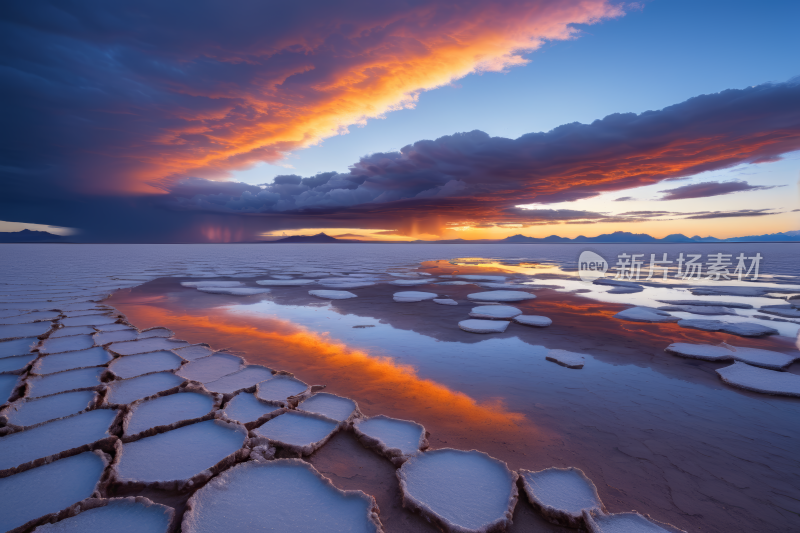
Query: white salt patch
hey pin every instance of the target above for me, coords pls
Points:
(706, 352)
(624, 523)
(93, 320)
(195, 351)
(445, 301)
(27, 318)
(12, 364)
(744, 329)
(332, 295)
(167, 410)
(111, 327)
(456, 282)
(205, 284)
(645, 314)
(501, 296)
(566, 358)
(277, 276)
(413, 296)
(505, 312)
(66, 344)
(234, 291)
(243, 379)
(483, 326)
(329, 405)
(74, 330)
(760, 379)
(403, 435)
(346, 284)
(762, 358)
(409, 282)
(279, 388)
(533, 320)
(17, 347)
(562, 494)
(7, 385)
(48, 489)
(54, 437)
(25, 330)
(146, 345)
(85, 378)
(734, 305)
(268, 492)
(245, 407)
(468, 490)
(106, 337)
(128, 390)
(211, 368)
(50, 364)
(28, 412)
(700, 309)
(178, 454)
(285, 282)
(155, 332)
(297, 430)
(131, 366)
(121, 515)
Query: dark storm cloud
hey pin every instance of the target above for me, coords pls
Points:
(710, 188)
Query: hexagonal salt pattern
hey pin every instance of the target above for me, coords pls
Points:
(31, 411)
(288, 493)
(128, 390)
(330, 406)
(117, 515)
(301, 433)
(561, 494)
(459, 491)
(166, 410)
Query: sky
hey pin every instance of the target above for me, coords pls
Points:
(203, 122)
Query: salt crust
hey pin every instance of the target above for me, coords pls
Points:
(760, 380)
(71, 380)
(338, 408)
(159, 453)
(332, 295)
(50, 492)
(561, 494)
(273, 488)
(120, 515)
(125, 391)
(645, 314)
(743, 329)
(30, 412)
(533, 320)
(566, 358)
(445, 301)
(483, 326)
(413, 296)
(626, 523)
(383, 435)
(491, 312)
(296, 433)
(462, 492)
(133, 422)
(726, 352)
(283, 390)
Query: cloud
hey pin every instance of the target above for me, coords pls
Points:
(735, 214)
(710, 188)
(625, 199)
(131, 97)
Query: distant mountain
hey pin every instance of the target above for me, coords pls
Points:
(786, 236)
(625, 237)
(27, 235)
(319, 238)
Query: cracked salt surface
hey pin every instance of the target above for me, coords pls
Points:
(18, 346)
(245, 408)
(71, 380)
(211, 368)
(25, 330)
(330, 406)
(501, 296)
(130, 366)
(395, 439)
(533, 320)
(483, 326)
(105, 337)
(29, 412)
(502, 312)
(645, 314)
(128, 390)
(259, 495)
(743, 329)
(760, 379)
(70, 331)
(459, 491)
(194, 351)
(155, 332)
(48, 488)
(36, 316)
(561, 494)
(91, 320)
(7, 385)
(566, 358)
(245, 378)
(279, 388)
(146, 345)
(413, 296)
(54, 437)
(16, 363)
(50, 364)
(166, 410)
(179, 454)
(120, 515)
(302, 433)
(332, 295)
(285, 282)
(625, 523)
